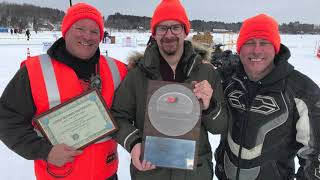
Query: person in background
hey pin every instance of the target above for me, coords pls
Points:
(275, 111)
(28, 34)
(69, 68)
(105, 35)
(170, 58)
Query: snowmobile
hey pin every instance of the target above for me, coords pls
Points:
(220, 58)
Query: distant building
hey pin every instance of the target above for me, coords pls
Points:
(45, 25)
(220, 30)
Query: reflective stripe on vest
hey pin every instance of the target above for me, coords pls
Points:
(50, 81)
(114, 71)
(52, 86)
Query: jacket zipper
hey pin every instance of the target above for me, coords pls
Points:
(244, 123)
(194, 60)
(243, 127)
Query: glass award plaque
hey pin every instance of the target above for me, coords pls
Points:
(172, 125)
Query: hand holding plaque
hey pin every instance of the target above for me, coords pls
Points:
(79, 122)
(172, 126)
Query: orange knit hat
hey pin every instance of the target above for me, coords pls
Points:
(81, 11)
(260, 26)
(170, 10)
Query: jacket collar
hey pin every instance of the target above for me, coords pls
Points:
(150, 63)
(83, 69)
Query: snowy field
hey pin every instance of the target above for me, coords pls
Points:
(13, 49)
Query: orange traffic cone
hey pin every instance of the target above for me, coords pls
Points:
(28, 53)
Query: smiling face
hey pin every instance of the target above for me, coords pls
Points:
(257, 56)
(170, 41)
(83, 38)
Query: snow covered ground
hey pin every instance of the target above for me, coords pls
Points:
(13, 49)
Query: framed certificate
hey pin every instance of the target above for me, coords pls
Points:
(78, 122)
(172, 125)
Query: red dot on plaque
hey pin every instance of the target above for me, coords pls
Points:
(171, 99)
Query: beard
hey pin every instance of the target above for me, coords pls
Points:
(169, 46)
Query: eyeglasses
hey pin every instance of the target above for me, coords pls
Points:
(175, 29)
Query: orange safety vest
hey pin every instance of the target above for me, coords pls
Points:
(53, 83)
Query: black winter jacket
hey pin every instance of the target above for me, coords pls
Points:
(129, 107)
(273, 120)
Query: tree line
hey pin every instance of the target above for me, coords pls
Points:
(20, 16)
(120, 21)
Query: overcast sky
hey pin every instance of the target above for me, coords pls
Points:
(285, 11)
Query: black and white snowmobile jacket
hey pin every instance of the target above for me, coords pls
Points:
(273, 121)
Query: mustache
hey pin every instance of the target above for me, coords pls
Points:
(169, 40)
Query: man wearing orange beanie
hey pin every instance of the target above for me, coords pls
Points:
(169, 58)
(275, 111)
(72, 66)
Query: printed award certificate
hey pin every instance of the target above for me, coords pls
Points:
(79, 122)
